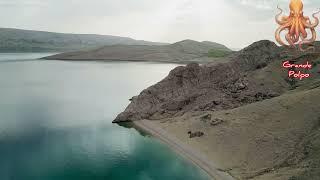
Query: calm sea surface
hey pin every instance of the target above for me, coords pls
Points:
(55, 122)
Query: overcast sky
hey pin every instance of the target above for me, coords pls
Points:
(235, 23)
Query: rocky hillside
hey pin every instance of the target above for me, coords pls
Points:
(209, 87)
(182, 51)
(16, 40)
(255, 122)
(250, 75)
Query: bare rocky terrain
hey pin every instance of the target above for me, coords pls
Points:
(247, 115)
(209, 87)
(180, 52)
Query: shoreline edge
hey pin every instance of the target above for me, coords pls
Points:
(182, 149)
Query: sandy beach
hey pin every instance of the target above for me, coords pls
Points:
(194, 156)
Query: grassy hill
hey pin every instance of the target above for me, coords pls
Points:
(16, 40)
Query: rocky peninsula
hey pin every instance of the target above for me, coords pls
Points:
(245, 114)
(180, 52)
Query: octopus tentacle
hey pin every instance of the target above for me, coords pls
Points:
(315, 24)
(292, 27)
(306, 19)
(278, 33)
(308, 41)
(290, 40)
(297, 28)
(282, 20)
(295, 39)
(302, 29)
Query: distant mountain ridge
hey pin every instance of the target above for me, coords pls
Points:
(17, 40)
(183, 51)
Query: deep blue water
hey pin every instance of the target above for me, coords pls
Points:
(55, 122)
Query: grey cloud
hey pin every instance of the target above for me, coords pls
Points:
(156, 20)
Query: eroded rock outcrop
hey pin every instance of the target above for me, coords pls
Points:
(208, 87)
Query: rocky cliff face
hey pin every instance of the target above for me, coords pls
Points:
(212, 86)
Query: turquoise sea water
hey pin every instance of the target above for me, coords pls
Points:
(55, 122)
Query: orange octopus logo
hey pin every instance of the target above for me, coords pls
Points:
(296, 25)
